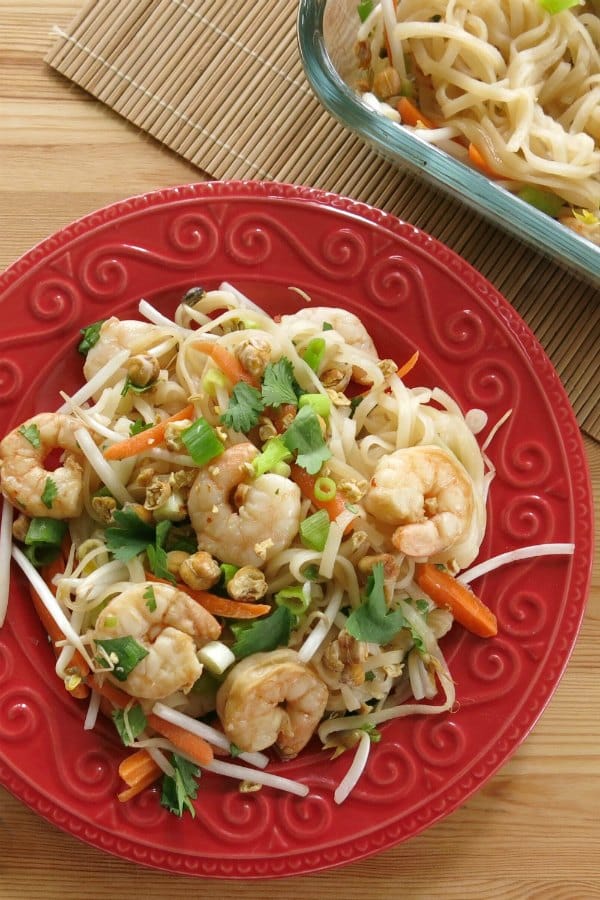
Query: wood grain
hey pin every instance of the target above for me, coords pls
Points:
(532, 832)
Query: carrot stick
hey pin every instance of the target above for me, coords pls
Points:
(227, 362)
(447, 592)
(411, 114)
(190, 744)
(151, 437)
(219, 606)
(306, 483)
(138, 771)
(137, 766)
(139, 786)
(408, 365)
(480, 162)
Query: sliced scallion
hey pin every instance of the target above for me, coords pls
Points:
(314, 530)
(296, 599)
(202, 442)
(314, 353)
(319, 402)
(273, 453)
(43, 540)
(325, 488)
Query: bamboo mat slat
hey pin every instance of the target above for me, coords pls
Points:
(220, 82)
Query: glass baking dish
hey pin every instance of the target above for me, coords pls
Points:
(325, 37)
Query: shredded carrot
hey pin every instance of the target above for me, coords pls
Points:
(227, 362)
(190, 744)
(151, 437)
(408, 365)
(139, 786)
(219, 606)
(306, 483)
(411, 114)
(138, 771)
(480, 162)
(136, 766)
(464, 605)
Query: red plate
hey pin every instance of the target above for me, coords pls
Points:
(410, 291)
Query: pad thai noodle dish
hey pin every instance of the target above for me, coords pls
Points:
(246, 533)
(511, 87)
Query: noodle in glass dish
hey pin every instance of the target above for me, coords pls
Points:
(510, 88)
(246, 532)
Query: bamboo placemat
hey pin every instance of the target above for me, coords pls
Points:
(221, 83)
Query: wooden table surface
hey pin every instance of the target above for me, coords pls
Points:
(533, 831)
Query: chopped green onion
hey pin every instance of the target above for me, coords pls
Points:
(124, 653)
(310, 572)
(315, 529)
(213, 379)
(274, 452)
(325, 488)
(364, 9)
(296, 599)
(202, 442)
(545, 201)
(110, 621)
(319, 402)
(556, 6)
(327, 326)
(91, 336)
(314, 353)
(43, 540)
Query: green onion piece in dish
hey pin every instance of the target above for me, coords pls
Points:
(315, 529)
(274, 452)
(124, 653)
(202, 442)
(364, 9)
(557, 6)
(296, 599)
(325, 488)
(319, 402)
(314, 353)
(545, 201)
(43, 540)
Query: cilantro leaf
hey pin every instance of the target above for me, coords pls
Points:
(279, 385)
(150, 598)
(138, 426)
(245, 407)
(31, 433)
(157, 555)
(130, 536)
(372, 621)
(124, 652)
(234, 750)
(50, 493)
(304, 435)
(130, 385)
(91, 335)
(263, 634)
(129, 723)
(181, 788)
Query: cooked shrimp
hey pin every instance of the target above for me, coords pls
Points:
(271, 698)
(116, 335)
(170, 626)
(23, 477)
(240, 519)
(426, 493)
(348, 326)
